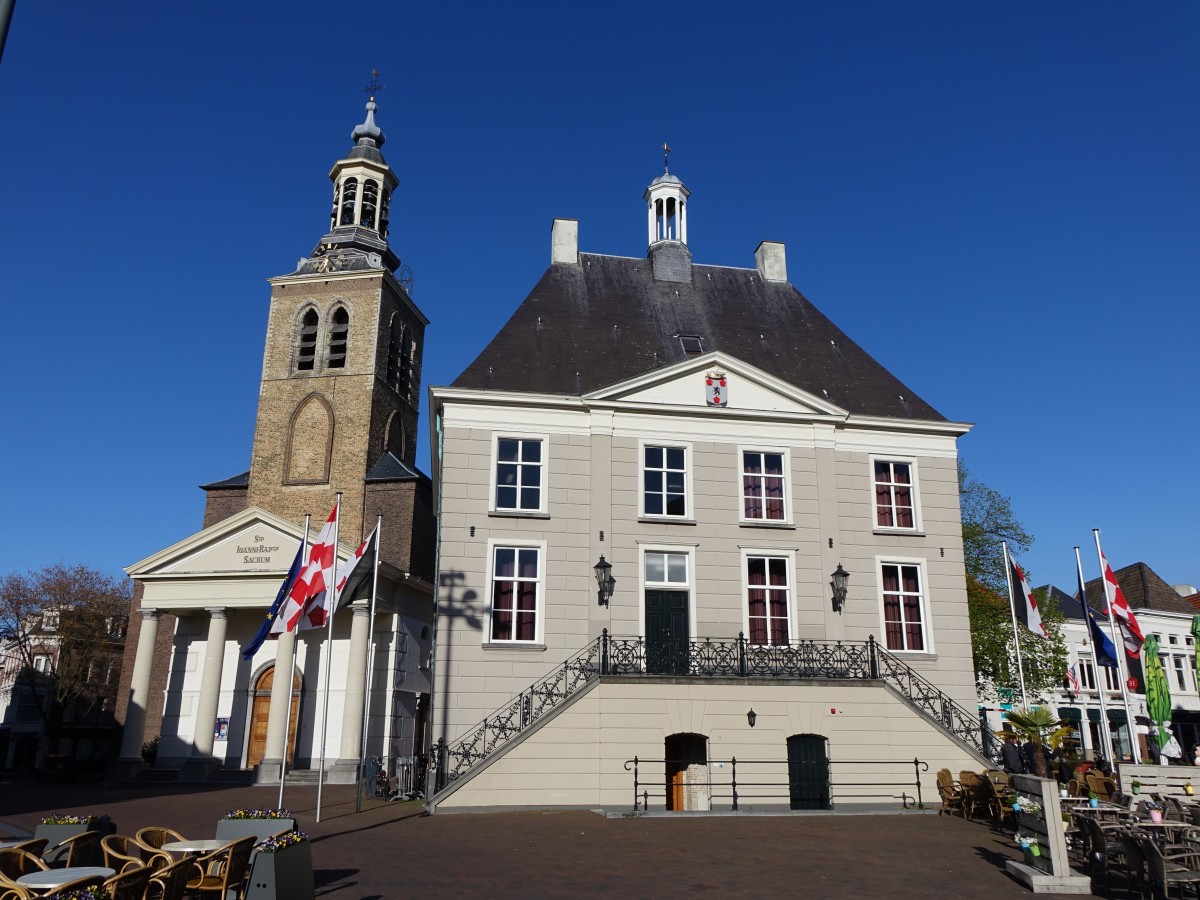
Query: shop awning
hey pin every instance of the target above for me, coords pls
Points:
(1070, 714)
(1115, 716)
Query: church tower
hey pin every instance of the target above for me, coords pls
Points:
(341, 376)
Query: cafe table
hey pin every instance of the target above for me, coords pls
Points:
(52, 878)
(194, 846)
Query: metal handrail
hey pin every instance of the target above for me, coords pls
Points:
(737, 788)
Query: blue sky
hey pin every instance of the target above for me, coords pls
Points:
(1001, 202)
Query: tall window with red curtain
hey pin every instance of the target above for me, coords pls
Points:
(767, 593)
(514, 594)
(902, 624)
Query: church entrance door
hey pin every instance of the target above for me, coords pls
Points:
(260, 710)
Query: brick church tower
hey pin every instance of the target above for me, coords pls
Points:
(341, 377)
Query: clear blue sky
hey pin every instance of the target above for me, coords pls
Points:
(1001, 202)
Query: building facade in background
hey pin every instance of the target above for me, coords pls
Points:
(338, 407)
(651, 483)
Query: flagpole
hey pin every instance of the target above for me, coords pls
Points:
(330, 599)
(287, 721)
(1012, 608)
(1105, 728)
(1121, 651)
(362, 747)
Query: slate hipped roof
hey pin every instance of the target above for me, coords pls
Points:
(606, 320)
(1143, 589)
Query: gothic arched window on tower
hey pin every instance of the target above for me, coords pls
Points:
(337, 338)
(370, 203)
(349, 196)
(383, 212)
(307, 355)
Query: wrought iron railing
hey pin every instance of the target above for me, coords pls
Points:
(703, 658)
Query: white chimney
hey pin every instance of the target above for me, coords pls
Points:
(564, 241)
(771, 258)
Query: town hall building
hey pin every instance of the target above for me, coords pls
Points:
(337, 413)
(698, 550)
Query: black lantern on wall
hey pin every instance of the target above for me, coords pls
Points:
(840, 579)
(751, 717)
(604, 579)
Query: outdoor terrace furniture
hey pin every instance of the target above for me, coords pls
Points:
(170, 882)
(121, 852)
(77, 850)
(1104, 849)
(154, 836)
(1170, 866)
(975, 792)
(222, 869)
(1102, 786)
(1135, 860)
(951, 793)
(36, 846)
(14, 863)
(1000, 803)
(129, 885)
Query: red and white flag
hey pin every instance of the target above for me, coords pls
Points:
(1114, 597)
(307, 601)
(1027, 608)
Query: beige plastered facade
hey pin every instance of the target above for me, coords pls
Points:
(593, 447)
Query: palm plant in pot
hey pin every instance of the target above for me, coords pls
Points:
(1041, 729)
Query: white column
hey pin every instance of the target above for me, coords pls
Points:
(210, 685)
(356, 668)
(682, 205)
(139, 687)
(281, 696)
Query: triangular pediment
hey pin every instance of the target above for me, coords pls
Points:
(251, 542)
(746, 388)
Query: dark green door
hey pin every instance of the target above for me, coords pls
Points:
(667, 632)
(808, 771)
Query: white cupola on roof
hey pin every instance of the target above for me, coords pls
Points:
(667, 206)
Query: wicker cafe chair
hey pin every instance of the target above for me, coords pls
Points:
(1135, 860)
(223, 869)
(1000, 801)
(121, 852)
(153, 837)
(951, 793)
(1176, 865)
(1104, 787)
(170, 882)
(77, 850)
(975, 793)
(130, 885)
(1105, 850)
(14, 863)
(36, 846)
(12, 892)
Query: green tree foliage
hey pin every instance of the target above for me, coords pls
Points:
(988, 519)
(62, 630)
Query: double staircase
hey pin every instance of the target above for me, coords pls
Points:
(609, 656)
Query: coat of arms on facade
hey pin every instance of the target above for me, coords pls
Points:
(718, 390)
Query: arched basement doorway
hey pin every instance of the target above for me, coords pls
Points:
(808, 771)
(260, 710)
(687, 771)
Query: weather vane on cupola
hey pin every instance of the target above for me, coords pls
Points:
(666, 152)
(374, 86)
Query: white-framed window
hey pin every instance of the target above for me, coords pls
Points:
(520, 473)
(666, 568)
(1181, 676)
(1172, 639)
(41, 663)
(764, 485)
(50, 620)
(1112, 678)
(516, 577)
(665, 481)
(903, 605)
(767, 588)
(1087, 675)
(895, 491)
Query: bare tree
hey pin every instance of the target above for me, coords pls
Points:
(62, 629)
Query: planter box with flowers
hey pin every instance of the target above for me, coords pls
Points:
(91, 893)
(282, 869)
(261, 823)
(57, 828)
